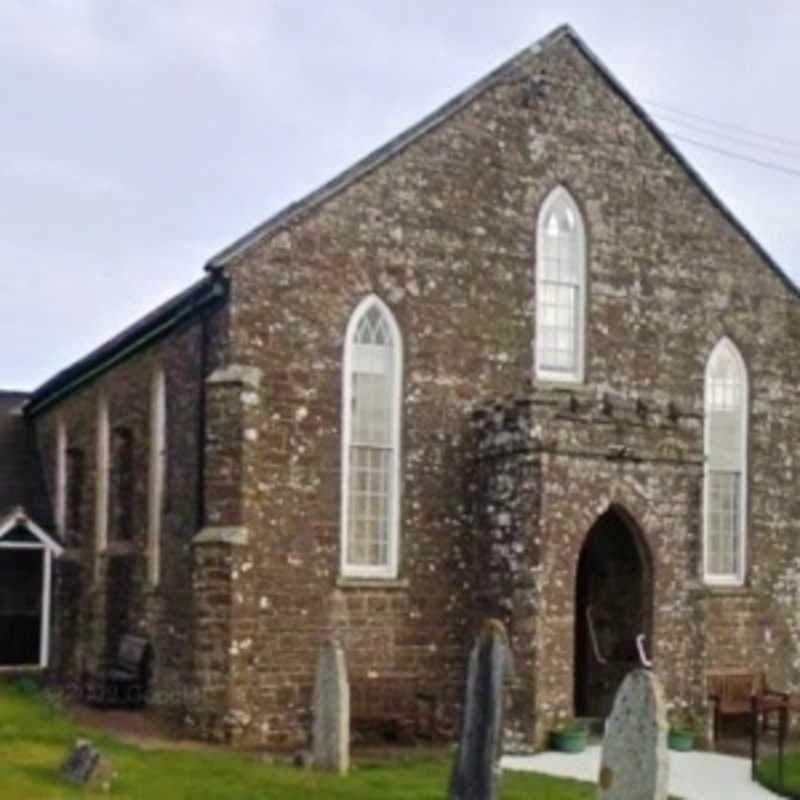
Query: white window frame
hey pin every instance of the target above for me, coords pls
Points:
(390, 569)
(157, 471)
(557, 196)
(713, 579)
(61, 479)
(49, 549)
(102, 474)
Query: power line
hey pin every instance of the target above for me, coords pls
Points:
(724, 125)
(739, 156)
(737, 139)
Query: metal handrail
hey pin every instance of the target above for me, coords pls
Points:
(593, 636)
(640, 640)
(646, 662)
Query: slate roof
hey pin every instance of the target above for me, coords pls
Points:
(292, 212)
(22, 481)
(166, 317)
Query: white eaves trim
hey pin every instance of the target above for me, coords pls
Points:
(16, 518)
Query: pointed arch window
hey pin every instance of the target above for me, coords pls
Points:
(725, 485)
(371, 442)
(560, 289)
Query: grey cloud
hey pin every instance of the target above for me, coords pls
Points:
(137, 138)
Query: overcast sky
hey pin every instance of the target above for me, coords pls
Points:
(137, 138)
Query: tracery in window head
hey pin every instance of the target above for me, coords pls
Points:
(725, 490)
(370, 447)
(374, 329)
(560, 289)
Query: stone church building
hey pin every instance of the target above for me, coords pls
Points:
(520, 361)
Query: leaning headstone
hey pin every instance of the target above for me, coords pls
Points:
(476, 771)
(85, 766)
(331, 735)
(635, 763)
(81, 762)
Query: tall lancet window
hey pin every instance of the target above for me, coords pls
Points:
(725, 493)
(560, 289)
(373, 361)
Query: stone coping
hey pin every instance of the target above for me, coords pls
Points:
(238, 374)
(231, 534)
(722, 590)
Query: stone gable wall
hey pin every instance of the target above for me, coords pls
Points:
(444, 233)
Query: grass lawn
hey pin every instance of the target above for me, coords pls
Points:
(768, 774)
(35, 736)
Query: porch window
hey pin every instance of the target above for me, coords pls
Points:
(370, 446)
(725, 492)
(26, 554)
(560, 289)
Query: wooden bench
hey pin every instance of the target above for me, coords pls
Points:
(394, 708)
(127, 680)
(732, 695)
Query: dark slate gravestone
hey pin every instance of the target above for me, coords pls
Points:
(81, 762)
(86, 767)
(476, 770)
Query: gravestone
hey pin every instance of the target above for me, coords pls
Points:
(85, 766)
(635, 763)
(331, 735)
(476, 770)
(81, 762)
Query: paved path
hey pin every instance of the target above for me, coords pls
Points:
(692, 776)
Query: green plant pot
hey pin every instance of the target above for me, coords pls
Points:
(573, 741)
(682, 741)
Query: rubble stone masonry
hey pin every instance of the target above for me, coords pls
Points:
(503, 476)
(444, 232)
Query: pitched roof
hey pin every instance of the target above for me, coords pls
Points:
(17, 526)
(22, 481)
(164, 318)
(290, 213)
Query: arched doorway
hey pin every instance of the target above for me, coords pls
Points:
(613, 606)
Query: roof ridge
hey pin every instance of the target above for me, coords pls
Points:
(638, 109)
(384, 152)
(360, 168)
(171, 312)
